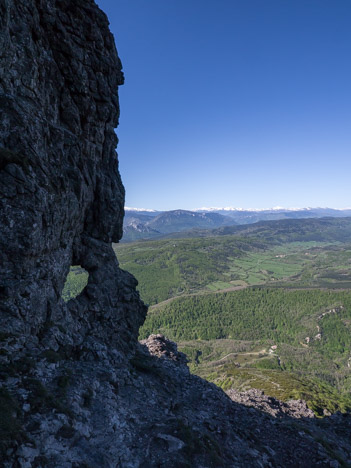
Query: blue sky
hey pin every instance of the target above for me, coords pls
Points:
(242, 103)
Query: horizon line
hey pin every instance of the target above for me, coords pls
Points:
(230, 208)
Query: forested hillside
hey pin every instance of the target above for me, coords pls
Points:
(271, 339)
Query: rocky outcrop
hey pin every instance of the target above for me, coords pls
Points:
(61, 194)
(159, 346)
(77, 389)
(257, 399)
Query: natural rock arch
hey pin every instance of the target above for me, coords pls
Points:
(61, 194)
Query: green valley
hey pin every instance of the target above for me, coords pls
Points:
(267, 307)
(170, 268)
(289, 253)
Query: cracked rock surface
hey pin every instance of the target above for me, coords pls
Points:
(77, 390)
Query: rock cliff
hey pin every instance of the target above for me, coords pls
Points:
(61, 194)
(77, 389)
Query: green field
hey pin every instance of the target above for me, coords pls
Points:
(166, 269)
(300, 264)
(289, 253)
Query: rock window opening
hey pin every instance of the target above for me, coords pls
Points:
(76, 281)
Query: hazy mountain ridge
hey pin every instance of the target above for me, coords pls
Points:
(139, 224)
(283, 230)
(252, 216)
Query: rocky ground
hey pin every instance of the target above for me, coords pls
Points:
(151, 412)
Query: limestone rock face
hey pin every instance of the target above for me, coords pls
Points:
(61, 196)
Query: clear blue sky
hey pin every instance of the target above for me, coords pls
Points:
(243, 103)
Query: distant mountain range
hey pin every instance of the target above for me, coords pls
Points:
(149, 224)
(144, 225)
(253, 216)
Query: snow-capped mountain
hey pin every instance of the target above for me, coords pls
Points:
(148, 223)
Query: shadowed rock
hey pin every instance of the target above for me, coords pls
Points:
(61, 194)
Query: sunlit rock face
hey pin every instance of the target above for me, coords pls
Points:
(61, 196)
